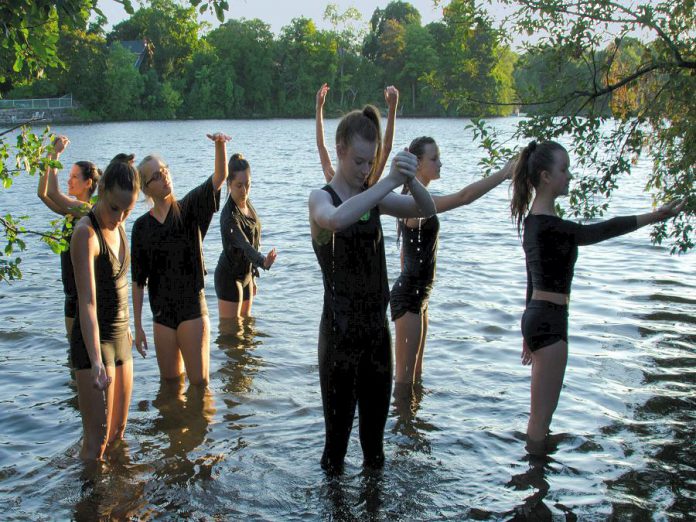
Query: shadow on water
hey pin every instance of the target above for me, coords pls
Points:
(347, 498)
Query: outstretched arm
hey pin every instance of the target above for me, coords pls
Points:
(48, 190)
(220, 175)
(321, 146)
(391, 96)
(472, 192)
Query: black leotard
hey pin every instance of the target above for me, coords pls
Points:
(110, 277)
(168, 257)
(412, 289)
(355, 366)
(240, 258)
(67, 274)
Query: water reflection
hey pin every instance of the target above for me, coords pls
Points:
(534, 478)
(346, 501)
(412, 429)
(238, 338)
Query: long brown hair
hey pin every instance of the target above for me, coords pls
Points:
(366, 124)
(532, 161)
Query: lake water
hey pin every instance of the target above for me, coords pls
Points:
(249, 448)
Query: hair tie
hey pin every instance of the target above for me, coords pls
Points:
(532, 145)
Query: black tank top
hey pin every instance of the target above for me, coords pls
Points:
(354, 270)
(111, 281)
(66, 269)
(420, 249)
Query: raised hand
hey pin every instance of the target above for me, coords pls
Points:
(60, 143)
(391, 96)
(404, 167)
(321, 95)
(270, 259)
(219, 137)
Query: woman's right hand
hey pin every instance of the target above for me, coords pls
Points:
(321, 95)
(141, 341)
(671, 209)
(270, 259)
(100, 379)
(526, 354)
(60, 143)
(219, 137)
(403, 168)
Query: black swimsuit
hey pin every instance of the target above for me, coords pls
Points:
(551, 249)
(240, 258)
(110, 277)
(411, 290)
(67, 274)
(355, 366)
(168, 257)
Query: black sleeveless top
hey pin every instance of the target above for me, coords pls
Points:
(354, 270)
(551, 248)
(111, 281)
(420, 250)
(66, 269)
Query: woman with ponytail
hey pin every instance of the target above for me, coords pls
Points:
(82, 182)
(101, 344)
(167, 248)
(551, 248)
(410, 293)
(240, 259)
(354, 340)
(391, 96)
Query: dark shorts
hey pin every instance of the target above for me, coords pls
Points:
(114, 352)
(232, 287)
(544, 323)
(409, 295)
(172, 312)
(70, 306)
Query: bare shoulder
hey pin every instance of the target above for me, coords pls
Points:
(83, 233)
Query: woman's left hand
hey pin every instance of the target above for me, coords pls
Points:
(219, 137)
(391, 96)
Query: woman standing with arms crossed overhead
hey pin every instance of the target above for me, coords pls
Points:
(82, 182)
(410, 293)
(101, 343)
(391, 96)
(354, 339)
(551, 248)
(167, 246)
(240, 228)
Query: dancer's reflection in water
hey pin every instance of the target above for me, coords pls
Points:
(238, 338)
(184, 418)
(407, 401)
(344, 503)
(533, 507)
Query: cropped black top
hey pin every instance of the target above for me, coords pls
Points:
(551, 248)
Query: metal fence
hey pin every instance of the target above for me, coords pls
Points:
(64, 102)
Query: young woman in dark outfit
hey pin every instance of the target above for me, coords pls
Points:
(168, 258)
(551, 248)
(411, 291)
(101, 342)
(354, 339)
(82, 183)
(240, 258)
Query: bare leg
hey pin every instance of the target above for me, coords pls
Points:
(548, 369)
(122, 387)
(228, 309)
(246, 304)
(92, 404)
(408, 340)
(421, 348)
(194, 340)
(169, 359)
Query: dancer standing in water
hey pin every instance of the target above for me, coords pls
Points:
(551, 248)
(82, 182)
(410, 293)
(391, 96)
(354, 339)
(167, 248)
(101, 342)
(240, 259)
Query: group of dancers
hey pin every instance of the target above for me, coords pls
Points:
(354, 347)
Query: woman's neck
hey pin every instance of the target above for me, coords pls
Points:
(543, 204)
(425, 182)
(343, 187)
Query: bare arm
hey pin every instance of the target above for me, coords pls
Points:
(472, 192)
(321, 146)
(391, 95)
(84, 247)
(220, 175)
(140, 337)
(49, 192)
(418, 203)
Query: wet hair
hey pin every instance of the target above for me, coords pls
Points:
(119, 174)
(534, 158)
(89, 171)
(237, 163)
(366, 124)
(176, 211)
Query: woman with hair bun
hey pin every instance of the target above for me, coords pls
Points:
(551, 248)
(167, 245)
(240, 259)
(355, 365)
(101, 342)
(82, 182)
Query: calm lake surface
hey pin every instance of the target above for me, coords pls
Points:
(249, 448)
